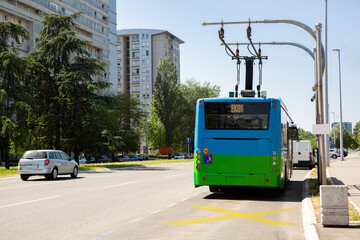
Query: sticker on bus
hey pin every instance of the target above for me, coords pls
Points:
(207, 159)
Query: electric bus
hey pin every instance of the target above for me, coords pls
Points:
(242, 142)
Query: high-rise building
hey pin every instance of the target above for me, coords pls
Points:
(138, 55)
(347, 125)
(97, 24)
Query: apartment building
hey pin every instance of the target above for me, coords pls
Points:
(97, 24)
(346, 125)
(138, 55)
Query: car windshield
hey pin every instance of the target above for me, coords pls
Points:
(34, 155)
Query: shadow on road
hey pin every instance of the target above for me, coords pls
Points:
(293, 193)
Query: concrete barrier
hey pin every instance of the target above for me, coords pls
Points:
(334, 205)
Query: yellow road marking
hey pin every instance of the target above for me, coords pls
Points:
(230, 214)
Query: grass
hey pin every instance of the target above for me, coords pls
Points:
(315, 199)
(13, 170)
(8, 172)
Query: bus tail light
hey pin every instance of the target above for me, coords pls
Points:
(274, 168)
(198, 167)
(204, 178)
(267, 180)
(274, 158)
(198, 156)
(198, 151)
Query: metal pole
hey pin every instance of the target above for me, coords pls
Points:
(320, 101)
(147, 142)
(326, 89)
(317, 118)
(341, 132)
(334, 130)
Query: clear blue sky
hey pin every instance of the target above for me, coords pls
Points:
(289, 71)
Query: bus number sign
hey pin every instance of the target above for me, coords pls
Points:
(207, 159)
(237, 108)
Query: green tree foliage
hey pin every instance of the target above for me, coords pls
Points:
(12, 94)
(306, 135)
(124, 135)
(166, 98)
(356, 135)
(347, 138)
(191, 92)
(65, 95)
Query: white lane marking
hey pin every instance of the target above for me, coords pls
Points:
(134, 221)
(184, 199)
(122, 184)
(176, 175)
(171, 205)
(32, 201)
(25, 186)
(156, 211)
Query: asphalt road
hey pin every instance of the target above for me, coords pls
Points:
(155, 202)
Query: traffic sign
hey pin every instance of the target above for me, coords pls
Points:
(329, 139)
(188, 140)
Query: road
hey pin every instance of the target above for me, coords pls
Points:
(154, 202)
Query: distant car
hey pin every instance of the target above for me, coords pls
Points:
(104, 159)
(49, 163)
(179, 156)
(82, 160)
(334, 153)
(123, 158)
(190, 156)
(134, 158)
(143, 157)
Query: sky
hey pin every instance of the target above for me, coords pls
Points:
(289, 71)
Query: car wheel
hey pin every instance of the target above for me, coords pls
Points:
(75, 172)
(334, 156)
(54, 174)
(24, 177)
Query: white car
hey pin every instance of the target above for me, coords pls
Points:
(179, 156)
(49, 163)
(334, 153)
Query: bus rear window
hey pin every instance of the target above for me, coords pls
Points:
(237, 115)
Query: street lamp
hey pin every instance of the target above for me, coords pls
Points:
(341, 134)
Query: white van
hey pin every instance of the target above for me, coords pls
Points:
(302, 154)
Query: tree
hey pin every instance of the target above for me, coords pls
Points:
(66, 86)
(191, 92)
(166, 98)
(124, 135)
(12, 74)
(306, 135)
(356, 135)
(347, 138)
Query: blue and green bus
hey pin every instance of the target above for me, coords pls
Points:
(242, 142)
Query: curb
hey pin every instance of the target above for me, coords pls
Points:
(308, 215)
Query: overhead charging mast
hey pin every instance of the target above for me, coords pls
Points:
(249, 63)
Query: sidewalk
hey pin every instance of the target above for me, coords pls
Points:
(345, 172)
